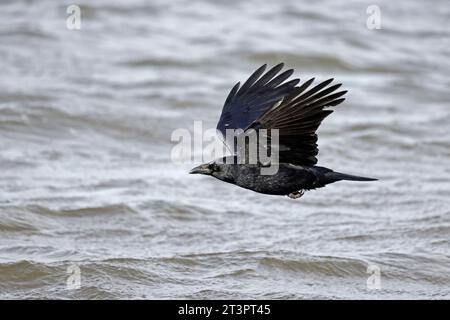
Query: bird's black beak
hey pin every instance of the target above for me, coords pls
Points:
(201, 169)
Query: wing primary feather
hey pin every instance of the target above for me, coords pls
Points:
(299, 90)
(232, 94)
(288, 85)
(309, 93)
(280, 78)
(252, 79)
(268, 76)
(323, 102)
(278, 93)
(288, 100)
(335, 102)
(306, 110)
(321, 94)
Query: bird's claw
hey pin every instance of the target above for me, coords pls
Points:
(296, 194)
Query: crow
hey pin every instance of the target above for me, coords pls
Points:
(266, 101)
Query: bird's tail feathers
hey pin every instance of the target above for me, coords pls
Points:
(342, 176)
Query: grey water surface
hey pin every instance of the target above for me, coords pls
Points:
(88, 182)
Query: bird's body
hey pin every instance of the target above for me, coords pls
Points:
(294, 178)
(266, 102)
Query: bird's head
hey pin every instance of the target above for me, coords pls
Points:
(219, 169)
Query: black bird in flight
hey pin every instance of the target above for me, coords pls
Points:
(266, 101)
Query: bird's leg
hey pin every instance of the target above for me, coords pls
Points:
(296, 194)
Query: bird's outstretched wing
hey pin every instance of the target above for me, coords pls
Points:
(297, 118)
(258, 94)
(266, 101)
